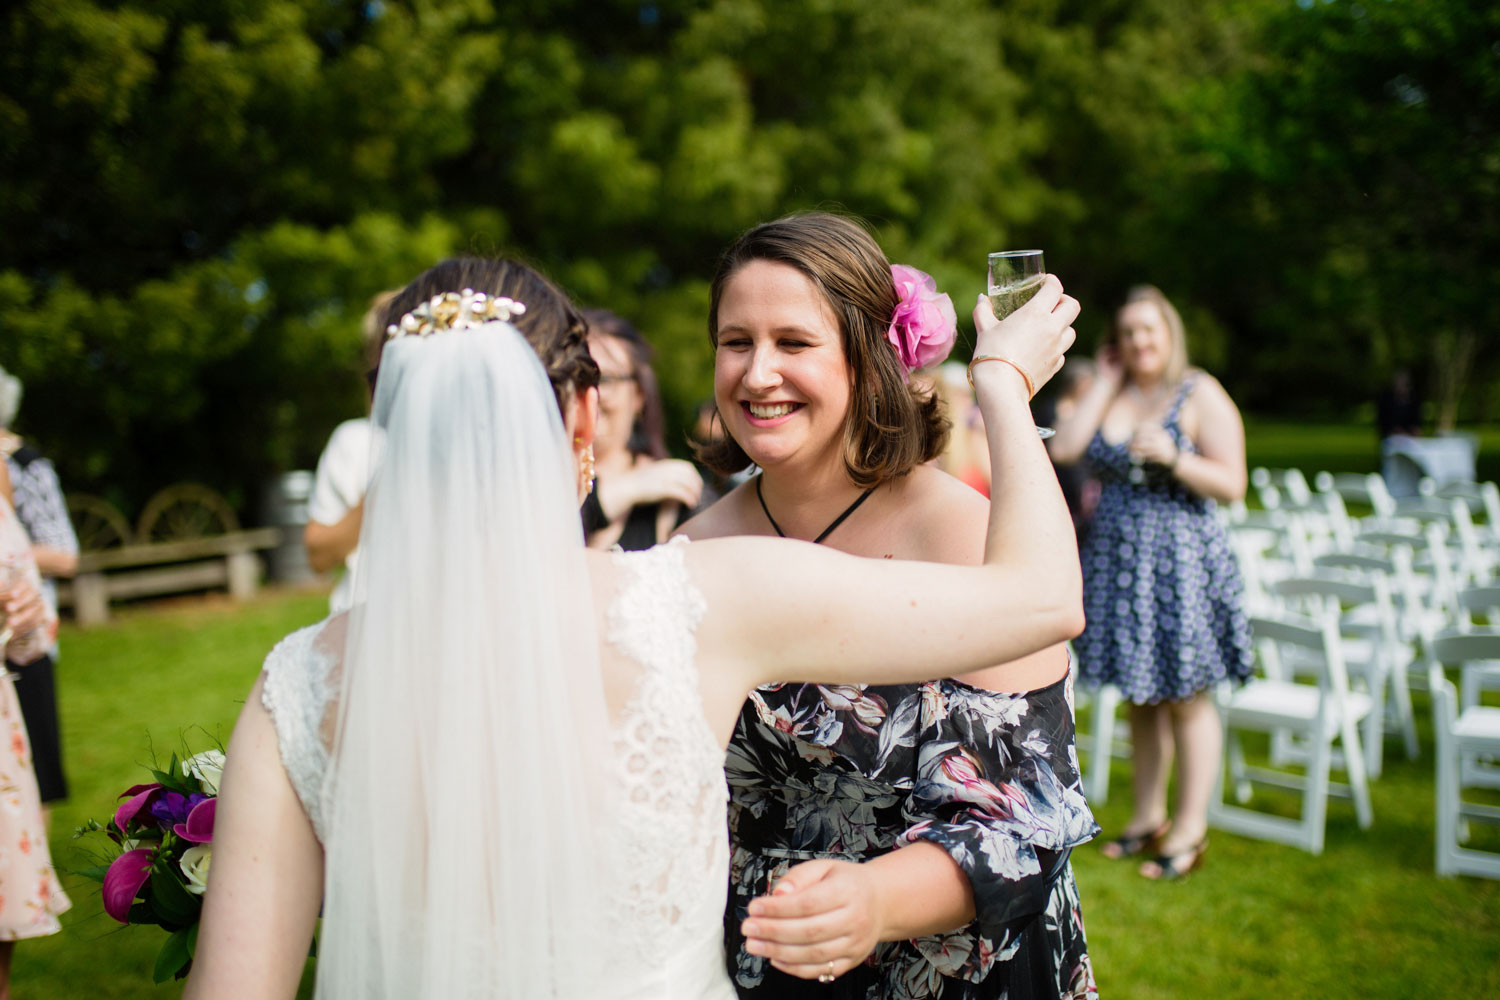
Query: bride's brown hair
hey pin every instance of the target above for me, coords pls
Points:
(551, 324)
(892, 425)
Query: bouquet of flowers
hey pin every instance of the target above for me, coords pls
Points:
(161, 844)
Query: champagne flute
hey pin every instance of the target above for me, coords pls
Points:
(1014, 277)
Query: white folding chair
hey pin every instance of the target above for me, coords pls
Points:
(1325, 714)
(1426, 594)
(1108, 737)
(1259, 551)
(1480, 498)
(1373, 655)
(1274, 487)
(1470, 733)
(1414, 620)
(1472, 562)
(1478, 675)
(1366, 489)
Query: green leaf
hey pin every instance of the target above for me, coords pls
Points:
(96, 873)
(174, 955)
(172, 902)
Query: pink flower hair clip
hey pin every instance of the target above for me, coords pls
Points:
(924, 325)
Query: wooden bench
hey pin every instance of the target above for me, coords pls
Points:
(172, 567)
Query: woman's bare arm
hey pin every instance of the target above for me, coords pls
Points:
(266, 882)
(328, 545)
(1217, 471)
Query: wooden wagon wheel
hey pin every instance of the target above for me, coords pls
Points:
(97, 523)
(184, 511)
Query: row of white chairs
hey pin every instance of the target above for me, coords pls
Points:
(1348, 615)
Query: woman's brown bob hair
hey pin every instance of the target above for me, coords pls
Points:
(892, 425)
(551, 324)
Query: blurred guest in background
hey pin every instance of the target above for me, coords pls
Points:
(30, 895)
(1080, 489)
(1162, 591)
(640, 494)
(1398, 408)
(967, 457)
(336, 507)
(43, 515)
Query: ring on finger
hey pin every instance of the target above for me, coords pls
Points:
(829, 976)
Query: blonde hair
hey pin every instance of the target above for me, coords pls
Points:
(1177, 357)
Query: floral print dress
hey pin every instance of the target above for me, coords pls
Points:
(854, 771)
(1162, 591)
(30, 895)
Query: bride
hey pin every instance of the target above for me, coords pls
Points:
(500, 774)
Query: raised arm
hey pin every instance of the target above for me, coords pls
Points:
(783, 610)
(266, 882)
(1073, 435)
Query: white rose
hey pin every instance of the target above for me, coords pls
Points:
(207, 767)
(194, 865)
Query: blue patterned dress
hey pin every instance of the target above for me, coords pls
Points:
(853, 771)
(1161, 588)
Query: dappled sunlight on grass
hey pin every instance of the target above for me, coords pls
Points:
(1368, 918)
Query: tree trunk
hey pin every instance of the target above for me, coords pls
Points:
(1453, 361)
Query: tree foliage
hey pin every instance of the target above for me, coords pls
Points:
(200, 198)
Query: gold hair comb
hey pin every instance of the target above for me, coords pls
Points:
(454, 311)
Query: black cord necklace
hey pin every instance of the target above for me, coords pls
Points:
(826, 531)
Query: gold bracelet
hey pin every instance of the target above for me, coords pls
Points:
(1025, 375)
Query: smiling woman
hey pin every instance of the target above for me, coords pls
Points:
(1162, 590)
(902, 803)
(641, 494)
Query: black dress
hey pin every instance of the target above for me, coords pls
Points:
(853, 771)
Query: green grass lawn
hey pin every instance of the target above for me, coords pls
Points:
(155, 677)
(1366, 919)
(1320, 447)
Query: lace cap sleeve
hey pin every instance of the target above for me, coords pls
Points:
(296, 694)
(654, 616)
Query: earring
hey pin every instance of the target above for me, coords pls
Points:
(586, 465)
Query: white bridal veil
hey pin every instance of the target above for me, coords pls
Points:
(467, 790)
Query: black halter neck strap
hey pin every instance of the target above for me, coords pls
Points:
(826, 531)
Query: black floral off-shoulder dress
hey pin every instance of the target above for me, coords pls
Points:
(854, 771)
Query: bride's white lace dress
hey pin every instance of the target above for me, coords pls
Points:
(662, 928)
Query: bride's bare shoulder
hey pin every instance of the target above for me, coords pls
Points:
(730, 515)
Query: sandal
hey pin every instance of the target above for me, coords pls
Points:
(1128, 845)
(1171, 867)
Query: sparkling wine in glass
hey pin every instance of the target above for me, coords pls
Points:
(1014, 277)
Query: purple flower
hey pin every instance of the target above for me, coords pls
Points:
(172, 808)
(199, 827)
(140, 797)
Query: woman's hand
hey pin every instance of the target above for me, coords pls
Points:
(820, 912)
(1109, 367)
(1151, 443)
(24, 610)
(1035, 336)
(650, 482)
